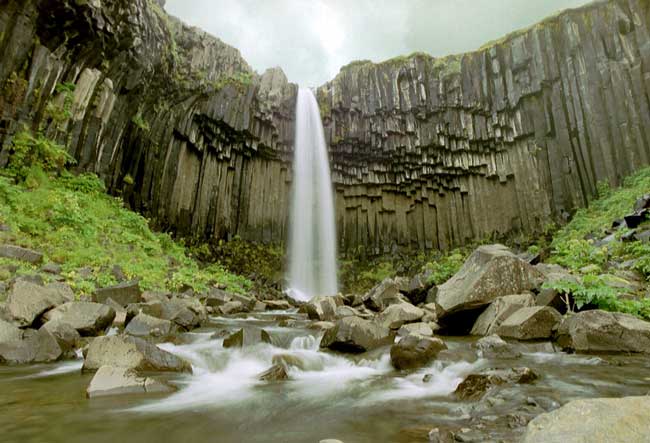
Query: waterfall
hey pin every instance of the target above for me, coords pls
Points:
(312, 237)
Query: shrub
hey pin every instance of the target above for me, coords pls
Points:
(35, 152)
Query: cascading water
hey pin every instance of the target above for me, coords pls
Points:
(312, 239)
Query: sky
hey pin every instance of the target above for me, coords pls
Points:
(312, 39)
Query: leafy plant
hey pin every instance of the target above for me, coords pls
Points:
(35, 152)
(445, 267)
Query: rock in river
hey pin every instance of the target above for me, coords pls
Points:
(533, 323)
(111, 380)
(354, 334)
(414, 351)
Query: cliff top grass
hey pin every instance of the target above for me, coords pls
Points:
(74, 223)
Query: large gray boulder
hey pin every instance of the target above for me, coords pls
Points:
(601, 331)
(354, 334)
(9, 332)
(87, 318)
(394, 316)
(414, 351)
(188, 313)
(247, 337)
(132, 353)
(498, 311)
(475, 386)
(123, 294)
(27, 301)
(599, 420)
(321, 308)
(146, 326)
(384, 294)
(34, 347)
(533, 323)
(110, 380)
(66, 336)
(494, 346)
(21, 254)
(489, 273)
(217, 297)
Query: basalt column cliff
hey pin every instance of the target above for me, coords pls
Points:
(425, 152)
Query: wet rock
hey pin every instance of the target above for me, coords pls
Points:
(495, 347)
(188, 313)
(601, 420)
(111, 380)
(232, 308)
(322, 325)
(533, 323)
(247, 337)
(34, 347)
(600, 331)
(475, 386)
(275, 373)
(217, 298)
(123, 293)
(321, 308)
(21, 254)
(414, 351)
(144, 326)
(498, 311)
(353, 334)
(383, 295)
(132, 353)
(490, 272)
(289, 361)
(424, 329)
(246, 300)
(394, 316)
(66, 336)
(86, 317)
(27, 302)
(277, 305)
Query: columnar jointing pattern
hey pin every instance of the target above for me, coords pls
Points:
(425, 152)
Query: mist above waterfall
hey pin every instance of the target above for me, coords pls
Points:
(312, 238)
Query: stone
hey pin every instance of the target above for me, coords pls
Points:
(289, 361)
(27, 301)
(598, 420)
(184, 312)
(86, 317)
(144, 326)
(274, 373)
(418, 288)
(232, 308)
(123, 293)
(424, 329)
(110, 380)
(66, 336)
(642, 203)
(246, 337)
(394, 316)
(118, 273)
(533, 323)
(498, 311)
(321, 308)
(277, 305)
(131, 353)
(21, 254)
(383, 295)
(217, 297)
(495, 347)
(475, 386)
(604, 332)
(322, 325)
(246, 300)
(414, 351)
(354, 334)
(35, 346)
(51, 268)
(120, 313)
(348, 311)
(489, 273)
(9, 332)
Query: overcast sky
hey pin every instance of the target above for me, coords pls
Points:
(312, 39)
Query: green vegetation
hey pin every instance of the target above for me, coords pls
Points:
(448, 65)
(59, 109)
(240, 80)
(77, 225)
(140, 122)
(573, 248)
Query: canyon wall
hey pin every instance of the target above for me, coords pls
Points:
(426, 153)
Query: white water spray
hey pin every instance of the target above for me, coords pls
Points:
(312, 240)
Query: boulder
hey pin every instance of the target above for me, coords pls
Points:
(533, 323)
(27, 301)
(498, 311)
(414, 351)
(232, 308)
(144, 325)
(354, 334)
(51, 268)
(289, 361)
(132, 353)
(277, 305)
(34, 347)
(383, 295)
(274, 373)
(418, 288)
(120, 313)
(494, 346)
(348, 311)
(87, 318)
(110, 380)
(246, 300)
(66, 336)
(21, 254)
(394, 316)
(598, 420)
(601, 331)
(322, 325)
(123, 293)
(475, 386)
(421, 328)
(321, 308)
(489, 273)
(217, 297)
(188, 313)
(247, 337)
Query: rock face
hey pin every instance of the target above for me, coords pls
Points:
(353, 334)
(532, 323)
(601, 420)
(489, 273)
(414, 351)
(131, 353)
(601, 331)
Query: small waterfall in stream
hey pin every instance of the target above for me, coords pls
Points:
(312, 237)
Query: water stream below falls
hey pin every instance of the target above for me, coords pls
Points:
(357, 399)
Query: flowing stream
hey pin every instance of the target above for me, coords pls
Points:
(312, 239)
(354, 398)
